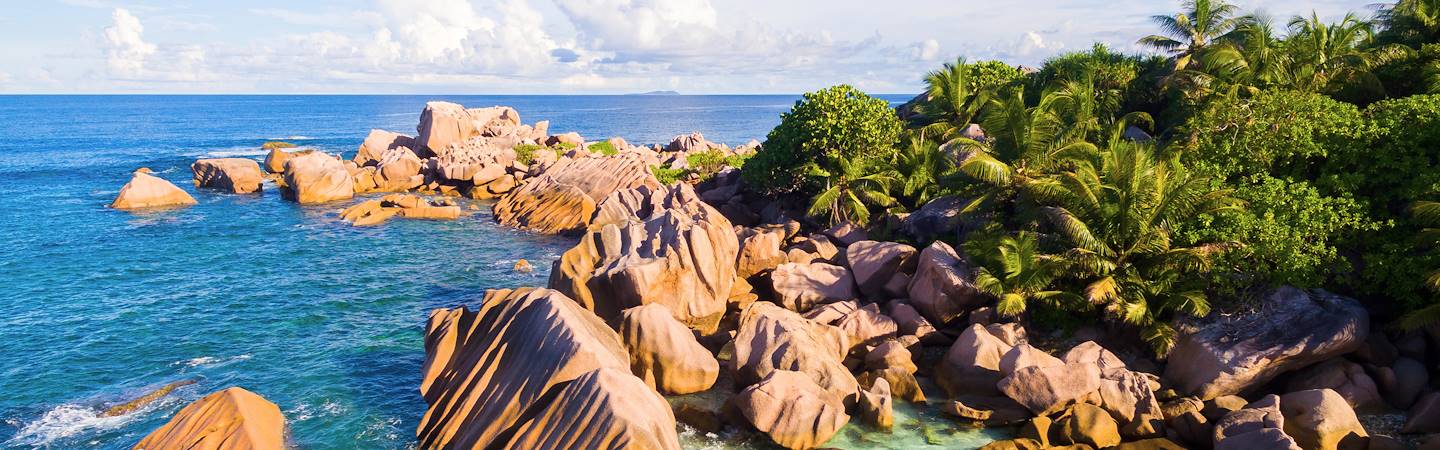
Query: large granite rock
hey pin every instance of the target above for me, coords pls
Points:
(532, 368)
(230, 419)
(1047, 389)
(772, 338)
(398, 170)
(664, 353)
(653, 245)
(444, 123)
(606, 408)
(760, 250)
(377, 143)
(1231, 355)
(317, 178)
(1258, 426)
(943, 287)
(563, 199)
(148, 191)
(238, 175)
(882, 269)
(792, 409)
(689, 143)
(1321, 419)
(1344, 377)
(803, 286)
(972, 364)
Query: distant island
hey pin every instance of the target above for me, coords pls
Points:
(657, 93)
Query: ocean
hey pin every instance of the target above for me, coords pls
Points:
(323, 319)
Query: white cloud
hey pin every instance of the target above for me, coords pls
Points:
(127, 48)
(927, 50)
(643, 25)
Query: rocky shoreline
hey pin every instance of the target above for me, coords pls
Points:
(669, 285)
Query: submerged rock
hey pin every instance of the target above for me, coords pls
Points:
(238, 175)
(148, 191)
(1231, 355)
(230, 419)
(531, 368)
(653, 245)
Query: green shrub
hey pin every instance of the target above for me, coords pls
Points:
(667, 175)
(604, 148)
(706, 163)
(992, 75)
(737, 161)
(1291, 232)
(832, 123)
(1287, 134)
(525, 153)
(272, 145)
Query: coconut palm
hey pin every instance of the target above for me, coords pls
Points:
(1014, 271)
(851, 189)
(1250, 58)
(1427, 213)
(953, 100)
(1189, 32)
(1116, 214)
(1411, 22)
(923, 169)
(1336, 51)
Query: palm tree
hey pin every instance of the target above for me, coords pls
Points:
(1411, 22)
(1013, 270)
(1116, 214)
(1427, 213)
(856, 184)
(953, 100)
(923, 169)
(1339, 51)
(1250, 58)
(1191, 31)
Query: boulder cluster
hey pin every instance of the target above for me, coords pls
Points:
(705, 287)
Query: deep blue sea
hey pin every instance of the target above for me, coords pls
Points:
(98, 306)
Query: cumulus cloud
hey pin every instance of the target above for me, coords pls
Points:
(928, 50)
(127, 48)
(644, 25)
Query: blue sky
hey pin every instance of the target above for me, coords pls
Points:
(549, 46)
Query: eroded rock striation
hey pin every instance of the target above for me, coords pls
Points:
(1231, 355)
(653, 245)
(664, 353)
(563, 199)
(529, 368)
(238, 175)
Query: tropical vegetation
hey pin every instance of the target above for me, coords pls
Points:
(1244, 152)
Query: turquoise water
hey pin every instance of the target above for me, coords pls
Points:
(321, 318)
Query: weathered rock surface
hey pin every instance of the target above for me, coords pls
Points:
(531, 367)
(760, 250)
(943, 287)
(1230, 355)
(276, 159)
(792, 409)
(881, 269)
(604, 408)
(230, 419)
(317, 178)
(1087, 424)
(876, 407)
(664, 353)
(866, 326)
(398, 170)
(1259, 426)
(238, 175)
(972, 364)
(803, 286)
(563, 199)
(148, 191)
(773, 339)
(1344, 377)
(443, 124)
(1321, 419)
(653, 245)
(1424, 417)
(377, 143)
(1047, 389)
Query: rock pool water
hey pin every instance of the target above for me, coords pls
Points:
(323, 319)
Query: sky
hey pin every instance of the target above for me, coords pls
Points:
(550, 46)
